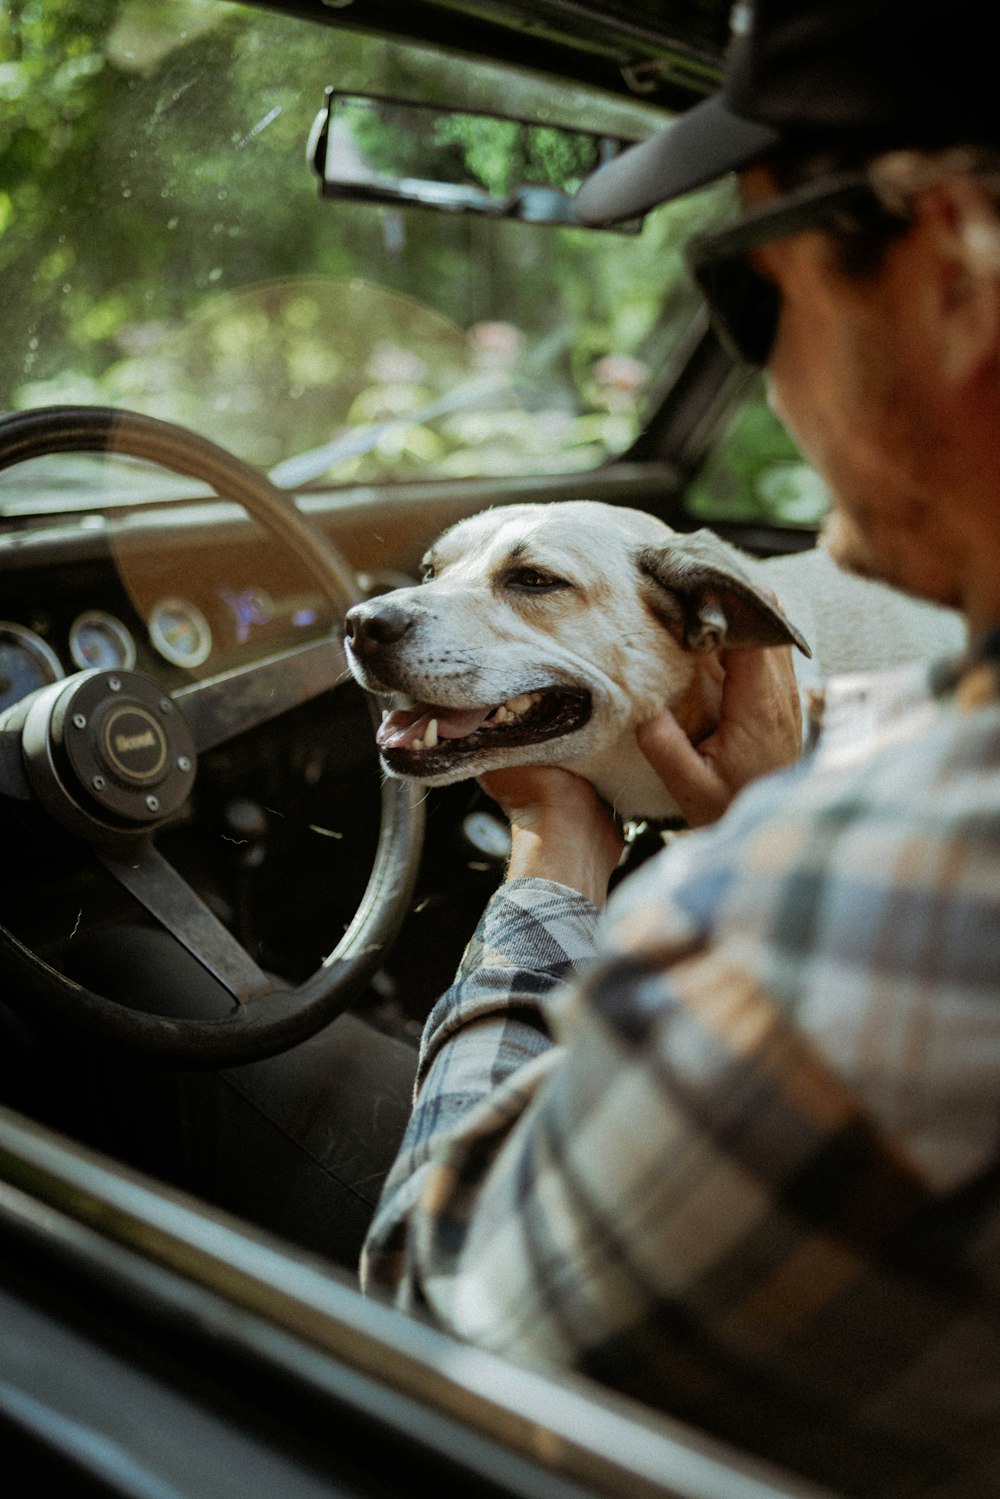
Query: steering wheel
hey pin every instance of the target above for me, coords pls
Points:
(114, 789)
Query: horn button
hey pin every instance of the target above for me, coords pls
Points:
(133, 744)
(109, 751)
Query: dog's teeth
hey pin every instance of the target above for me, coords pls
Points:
(518, 705)
(431, 734)
(417, 744)
(501, 715)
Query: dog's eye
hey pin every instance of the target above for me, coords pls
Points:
(536, 580)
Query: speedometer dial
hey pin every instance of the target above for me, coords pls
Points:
(100, 640)
(180, 632)
(26, 663)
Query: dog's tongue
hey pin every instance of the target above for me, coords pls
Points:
(404, 725)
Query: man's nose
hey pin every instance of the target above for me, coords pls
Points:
(375, 624)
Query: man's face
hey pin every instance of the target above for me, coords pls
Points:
(853, 376)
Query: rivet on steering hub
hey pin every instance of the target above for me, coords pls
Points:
(79, 722)
(153, 803)
(115, 684)
(183, 763)
(98, 783)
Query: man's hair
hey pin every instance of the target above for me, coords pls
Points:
(861, 236)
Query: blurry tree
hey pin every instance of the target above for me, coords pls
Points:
(163, 245)
(757, 471)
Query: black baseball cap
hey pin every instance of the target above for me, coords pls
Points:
(877, 74)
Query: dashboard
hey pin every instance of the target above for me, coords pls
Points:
(174, 602)
(175, 628)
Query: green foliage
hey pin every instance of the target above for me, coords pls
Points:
(147, 166)
(488, 149)
(163, 246)
(757, 473)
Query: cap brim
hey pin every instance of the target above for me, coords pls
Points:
(695, 149)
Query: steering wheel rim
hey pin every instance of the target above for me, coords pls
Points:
(263, 1024)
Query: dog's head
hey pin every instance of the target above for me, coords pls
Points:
(547, 633)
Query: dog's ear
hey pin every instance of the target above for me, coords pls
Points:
(706, 598)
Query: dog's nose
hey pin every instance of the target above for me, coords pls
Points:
(376, 624)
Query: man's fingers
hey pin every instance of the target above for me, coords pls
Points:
(690, 779)
(753, 676)
(760, 730)
(669, 750)
(560, 829)
(760, 695)
(535, 786)
(747, 672)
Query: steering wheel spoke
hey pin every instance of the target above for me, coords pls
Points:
(228, 704)
(155, 883)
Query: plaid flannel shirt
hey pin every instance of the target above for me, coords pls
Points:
(733, 1149)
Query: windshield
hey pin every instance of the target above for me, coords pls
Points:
(164, 247)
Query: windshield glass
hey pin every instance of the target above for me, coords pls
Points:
(164, 247)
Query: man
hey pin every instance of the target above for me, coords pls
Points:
(755, 1180)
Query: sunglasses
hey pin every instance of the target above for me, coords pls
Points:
(745, 307)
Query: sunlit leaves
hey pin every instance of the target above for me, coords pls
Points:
(163, 246)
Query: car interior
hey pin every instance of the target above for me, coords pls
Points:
(291, 287)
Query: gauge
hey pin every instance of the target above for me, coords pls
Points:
(26, 663)
(98, 639)
(180, 632)
(250, 606)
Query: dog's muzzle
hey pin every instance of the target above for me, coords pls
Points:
(429, 739)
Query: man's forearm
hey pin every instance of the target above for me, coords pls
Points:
(486, 1031)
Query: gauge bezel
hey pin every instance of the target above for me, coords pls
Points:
(33, 644)
(176, 604)
(114, 626)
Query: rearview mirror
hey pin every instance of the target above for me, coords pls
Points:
(382, 150)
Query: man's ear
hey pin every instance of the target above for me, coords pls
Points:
(706, 599)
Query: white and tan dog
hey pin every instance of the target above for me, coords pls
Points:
(545, 634)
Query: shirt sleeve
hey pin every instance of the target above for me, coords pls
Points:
(485, 1047)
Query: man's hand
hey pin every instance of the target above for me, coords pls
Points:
(760, 730)
(560, 829)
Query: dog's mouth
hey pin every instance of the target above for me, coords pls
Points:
(425, 739)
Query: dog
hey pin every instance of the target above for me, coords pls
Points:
(547, 633)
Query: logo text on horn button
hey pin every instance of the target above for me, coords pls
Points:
(133, 744)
